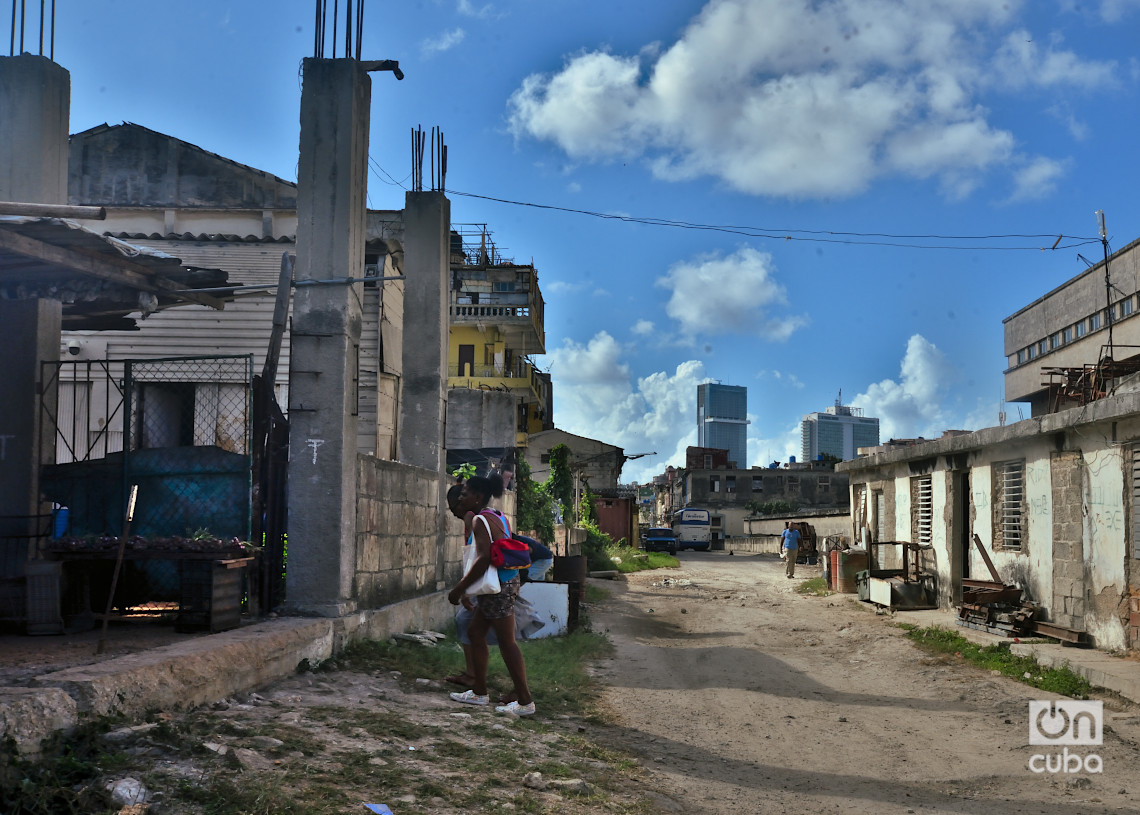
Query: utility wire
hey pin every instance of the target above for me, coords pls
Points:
(801, 235)
(812, 235)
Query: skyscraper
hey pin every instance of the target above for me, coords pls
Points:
(722, 420)
(839, 432)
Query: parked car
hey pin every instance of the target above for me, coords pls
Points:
(660, 539)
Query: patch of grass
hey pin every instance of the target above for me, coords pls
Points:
(998, 657)
(815, 586)
(65, 779)
(595, 594)
(378, 723)
(634, 560)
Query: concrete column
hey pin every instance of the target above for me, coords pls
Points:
(427, 266)
(325, 337)
(31, 332)
(35, 101)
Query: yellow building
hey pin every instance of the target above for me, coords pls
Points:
(496, 313)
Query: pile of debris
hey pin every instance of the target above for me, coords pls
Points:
(999, 608)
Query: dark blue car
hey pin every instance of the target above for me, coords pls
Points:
(660, 539)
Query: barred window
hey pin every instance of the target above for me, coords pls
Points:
(1009, 503)
(922, 513)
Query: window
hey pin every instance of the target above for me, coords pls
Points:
(544, 458)
(1054, 341)
(1032, 351)
(1009, 499)
(1081, 328)
(1136, 502)
(1042, 347)
(1094, 322)
(922, 508)
(880, 515)
(1066, 335)
(509, 286)
(757, 483)
(824, 483)
(1126, 307)
(1021, 357)
(793, 484)
(714, 484)
(708, 461)
(730, 483)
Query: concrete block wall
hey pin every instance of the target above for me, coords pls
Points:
(406, 544)
(1067, 605)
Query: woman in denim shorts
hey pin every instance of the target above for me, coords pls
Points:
(492, 611)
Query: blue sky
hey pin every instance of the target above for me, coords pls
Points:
(797, 130)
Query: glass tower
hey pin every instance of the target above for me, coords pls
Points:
(722, 420)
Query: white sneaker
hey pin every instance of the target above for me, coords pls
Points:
(515, 709)
(470, 697)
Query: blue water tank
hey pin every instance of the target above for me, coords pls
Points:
(791, 459)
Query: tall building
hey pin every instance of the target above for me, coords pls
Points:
(839, 432)
(722, 419)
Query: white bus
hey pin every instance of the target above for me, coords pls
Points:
(693, 529)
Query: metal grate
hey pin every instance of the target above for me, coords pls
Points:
(1012, 485)
(924, 509)
(1136, 502)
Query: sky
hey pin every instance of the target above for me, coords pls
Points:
(820, 201)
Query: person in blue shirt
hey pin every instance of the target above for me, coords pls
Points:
(789, 548)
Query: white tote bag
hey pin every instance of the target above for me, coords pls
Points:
(489, 582)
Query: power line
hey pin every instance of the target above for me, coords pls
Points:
(814, 235)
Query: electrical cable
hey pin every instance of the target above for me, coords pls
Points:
(810, 235)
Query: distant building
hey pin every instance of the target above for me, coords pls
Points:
(839, 432)
(722, 420)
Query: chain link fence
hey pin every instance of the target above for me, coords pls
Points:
(178, 429)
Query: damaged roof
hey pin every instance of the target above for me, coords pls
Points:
(99, 280)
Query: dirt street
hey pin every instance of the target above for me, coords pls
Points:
(743, 696)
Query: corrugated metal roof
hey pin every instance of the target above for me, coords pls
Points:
(98, 279)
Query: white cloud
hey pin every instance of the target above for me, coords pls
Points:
(1115, 10)
(914, 405)
(715, 294)
(787, 380)
(643, 328)
(596, 396)
(1022, 62)
(806, 99)
(482, 12)
(444, 42)
(564, 287)
(1037, 179)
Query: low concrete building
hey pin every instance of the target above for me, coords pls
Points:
(1053, 499)
(1053, 345)
(592, 461)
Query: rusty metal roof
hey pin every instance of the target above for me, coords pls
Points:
(100, 280)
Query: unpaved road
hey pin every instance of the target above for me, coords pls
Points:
(741, 696)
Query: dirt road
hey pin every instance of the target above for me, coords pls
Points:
(742, 696)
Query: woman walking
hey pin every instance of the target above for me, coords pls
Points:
(493, 612)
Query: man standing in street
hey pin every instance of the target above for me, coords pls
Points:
(789, 547)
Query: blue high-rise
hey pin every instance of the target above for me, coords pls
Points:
(722, 420)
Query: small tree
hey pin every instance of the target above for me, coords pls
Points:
(587, 510)
(560, 485)
(535, 506)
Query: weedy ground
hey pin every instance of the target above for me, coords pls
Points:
(372, 725)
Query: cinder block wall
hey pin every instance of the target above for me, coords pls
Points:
(406, 544)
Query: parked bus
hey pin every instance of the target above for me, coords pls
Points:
(693, 528)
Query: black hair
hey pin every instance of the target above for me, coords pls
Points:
(453, 494)
(489, 487)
